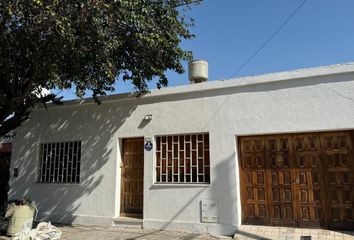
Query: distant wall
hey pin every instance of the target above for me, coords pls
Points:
(301, 105)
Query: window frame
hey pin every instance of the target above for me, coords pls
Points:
(75, 171)
(205, 174)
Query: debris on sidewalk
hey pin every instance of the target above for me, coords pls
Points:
(43, 231)
(20, 215)
(13, 205)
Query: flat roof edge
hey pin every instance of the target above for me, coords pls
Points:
(221, 84)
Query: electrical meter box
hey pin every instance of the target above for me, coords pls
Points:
(210, 211)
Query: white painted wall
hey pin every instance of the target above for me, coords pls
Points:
(292, 102)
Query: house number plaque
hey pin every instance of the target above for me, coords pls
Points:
(148, 145)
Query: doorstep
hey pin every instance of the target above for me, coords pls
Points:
(253, 232)
(128, 222)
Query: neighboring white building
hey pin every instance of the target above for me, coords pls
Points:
(86, 164)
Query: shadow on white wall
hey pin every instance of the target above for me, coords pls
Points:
(94, 126)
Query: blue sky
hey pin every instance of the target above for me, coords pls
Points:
(229, 31)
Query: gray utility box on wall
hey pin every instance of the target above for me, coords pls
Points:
(210, 211)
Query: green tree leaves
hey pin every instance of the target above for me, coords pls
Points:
(87, 44)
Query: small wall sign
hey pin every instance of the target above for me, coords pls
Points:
(148, 145)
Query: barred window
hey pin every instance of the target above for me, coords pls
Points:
(183, 158)
(60, 162)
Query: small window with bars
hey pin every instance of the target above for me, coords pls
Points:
(183, 158)
(60, 162)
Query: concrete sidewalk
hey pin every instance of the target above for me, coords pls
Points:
(116, 233)
(245, 232)
(253, 232)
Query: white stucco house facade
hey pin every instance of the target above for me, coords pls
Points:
(202, 188)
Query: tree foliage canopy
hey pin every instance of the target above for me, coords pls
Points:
(87, 45)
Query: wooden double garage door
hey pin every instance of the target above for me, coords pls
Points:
(300, 180)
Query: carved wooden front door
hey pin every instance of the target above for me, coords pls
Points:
(280, 175)
(132, 176)
(338, 169)
(253, 181)
(308, 182)
(303, 180)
